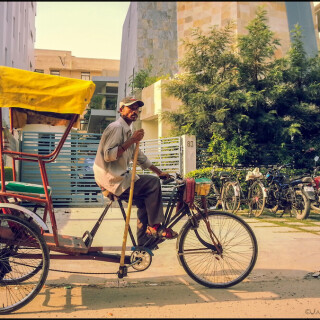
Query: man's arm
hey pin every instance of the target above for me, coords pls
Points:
(137, 136)
(160, 174)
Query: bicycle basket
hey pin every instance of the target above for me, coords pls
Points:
(202, 186)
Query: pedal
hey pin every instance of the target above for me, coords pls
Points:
(89, 239)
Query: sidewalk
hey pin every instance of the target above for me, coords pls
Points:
(286, 251)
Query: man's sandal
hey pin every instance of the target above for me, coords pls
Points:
(168, 233)
(158, 231)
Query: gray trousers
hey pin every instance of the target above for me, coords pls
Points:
(148, 199)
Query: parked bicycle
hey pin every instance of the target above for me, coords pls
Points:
(289, 195)
(257, 193)
(253, 197)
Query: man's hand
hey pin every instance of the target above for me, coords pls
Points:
(164, 175)
(137, 135)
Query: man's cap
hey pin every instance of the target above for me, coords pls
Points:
(128, 101)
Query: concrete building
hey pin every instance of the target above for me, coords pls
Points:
(103, 72)
(17, 34)
(17, 37)
(156, 29)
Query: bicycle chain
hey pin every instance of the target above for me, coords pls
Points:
(78, 272)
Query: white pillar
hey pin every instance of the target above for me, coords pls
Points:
(189, 153)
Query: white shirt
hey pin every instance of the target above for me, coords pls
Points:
(111, 172)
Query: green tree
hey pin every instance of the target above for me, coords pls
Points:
(298, 102)
(95, 103)
(246, 105)
(210, 77)
(145, 77)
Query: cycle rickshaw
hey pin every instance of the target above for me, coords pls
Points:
(216, 249)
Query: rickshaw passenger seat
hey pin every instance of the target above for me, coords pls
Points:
(24, 188)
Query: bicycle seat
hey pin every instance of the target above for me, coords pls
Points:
(306, 179)
(108, 194)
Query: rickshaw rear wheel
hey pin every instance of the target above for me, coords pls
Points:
(24, 262)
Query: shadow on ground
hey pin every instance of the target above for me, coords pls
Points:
(167, 291)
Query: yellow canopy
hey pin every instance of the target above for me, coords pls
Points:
(42, 92)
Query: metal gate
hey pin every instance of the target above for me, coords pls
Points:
(71, 175)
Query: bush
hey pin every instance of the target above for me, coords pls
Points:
(200, 173)
(8, 174)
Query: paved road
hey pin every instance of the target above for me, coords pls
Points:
(281, 284)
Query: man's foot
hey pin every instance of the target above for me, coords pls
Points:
(158, 231)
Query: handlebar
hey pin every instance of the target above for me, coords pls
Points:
(278, 167)
(167, 181)
(178, 179)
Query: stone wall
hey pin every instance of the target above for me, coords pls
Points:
(280, 16)
(150, 29)
(157, 36)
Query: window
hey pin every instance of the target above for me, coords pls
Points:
(111, 103)
(85, 75)
(55, 72)
(39, 70)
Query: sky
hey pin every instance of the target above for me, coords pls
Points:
(87, 29)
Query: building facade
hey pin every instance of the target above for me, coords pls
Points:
(17, 34)
(142, 38)
(103, 72)
(17, 37)
(282, 17)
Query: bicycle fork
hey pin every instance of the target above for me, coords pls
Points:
(213, 237)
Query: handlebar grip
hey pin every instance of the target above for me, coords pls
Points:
(167, 181)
